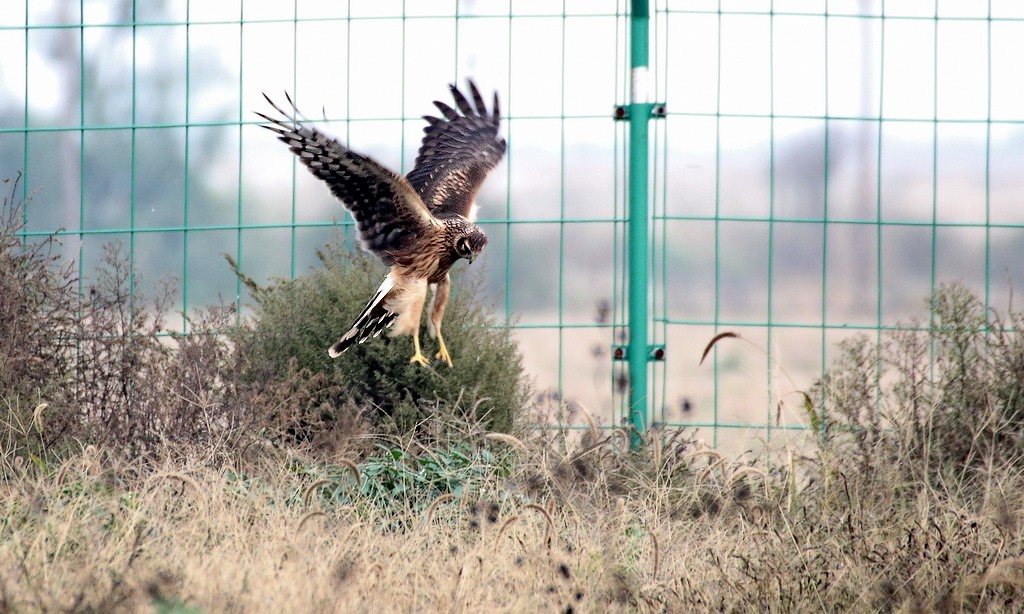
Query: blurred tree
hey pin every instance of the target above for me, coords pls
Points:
(107, 77)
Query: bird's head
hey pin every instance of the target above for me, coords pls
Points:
(470, 243)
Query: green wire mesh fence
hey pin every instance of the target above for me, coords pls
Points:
(820, 166)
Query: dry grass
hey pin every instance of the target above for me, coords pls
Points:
(532, 529)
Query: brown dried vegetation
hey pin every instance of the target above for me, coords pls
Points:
(144, 470)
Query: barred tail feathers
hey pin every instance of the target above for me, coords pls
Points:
(372, 320)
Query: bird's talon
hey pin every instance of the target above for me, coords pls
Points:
(419, 359)
(444, 357)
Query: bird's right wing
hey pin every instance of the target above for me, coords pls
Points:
(458, 151)
(390, 217)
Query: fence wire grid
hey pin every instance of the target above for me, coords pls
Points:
(821, 168)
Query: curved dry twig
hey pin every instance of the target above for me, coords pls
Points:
(547, 516)
(312, 489)
(507, 439)
(714, 340)
(429, 516)
(306, 517)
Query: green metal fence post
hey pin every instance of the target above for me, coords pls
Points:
(639, 116)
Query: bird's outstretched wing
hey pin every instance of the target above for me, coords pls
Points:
(458, 151)
(390, 216)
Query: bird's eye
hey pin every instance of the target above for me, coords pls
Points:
(463, 248)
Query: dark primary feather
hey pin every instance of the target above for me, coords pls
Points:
(389, 215)
(458, 151)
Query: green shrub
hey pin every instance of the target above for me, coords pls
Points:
(296, 320)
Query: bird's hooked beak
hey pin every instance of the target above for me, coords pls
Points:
(471, 258)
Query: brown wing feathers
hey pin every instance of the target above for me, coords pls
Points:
(389, 215)
(458, 151)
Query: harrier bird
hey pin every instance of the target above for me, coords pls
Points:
(420, 224)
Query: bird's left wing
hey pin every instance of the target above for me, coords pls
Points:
(390, 216)
(458, 151)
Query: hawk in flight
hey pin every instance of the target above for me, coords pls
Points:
(420, 224)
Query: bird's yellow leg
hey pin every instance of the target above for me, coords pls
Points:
(418, 356)
(443, 352)
(437, 314)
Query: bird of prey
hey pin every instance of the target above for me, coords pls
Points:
(420, 224)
